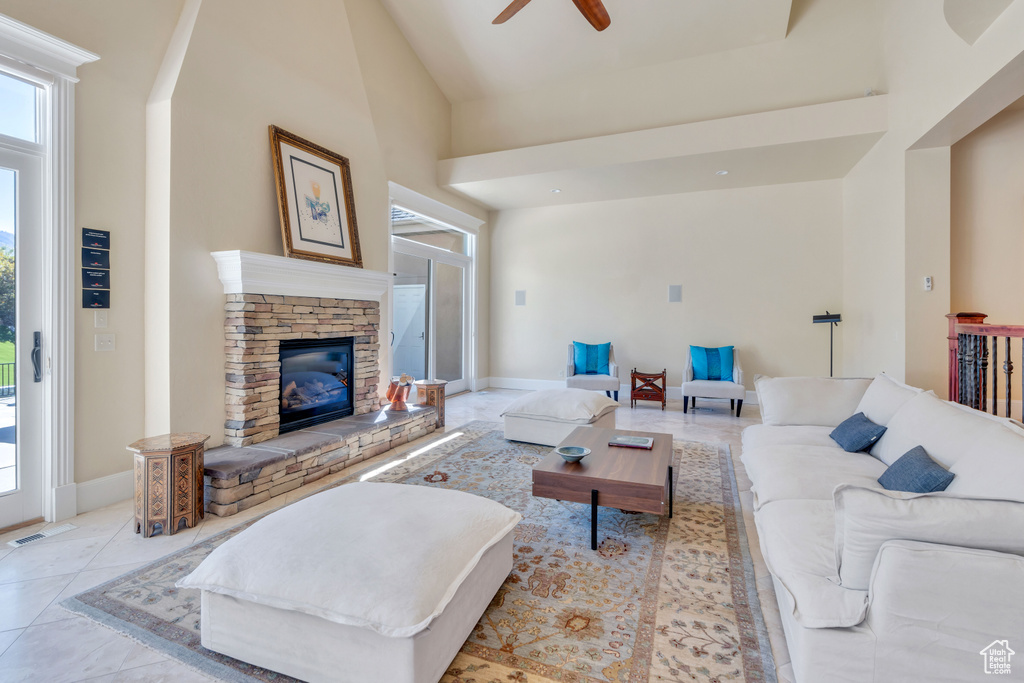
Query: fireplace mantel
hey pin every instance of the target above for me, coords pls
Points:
(246, 272)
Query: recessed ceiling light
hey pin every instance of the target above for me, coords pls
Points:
(721, 173)
(555, 190)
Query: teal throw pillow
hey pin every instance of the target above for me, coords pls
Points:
(712, 364)
(591, 359)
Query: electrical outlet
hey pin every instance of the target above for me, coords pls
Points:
(561, 374)
(928, 284)
(104, 342)
(99, 318)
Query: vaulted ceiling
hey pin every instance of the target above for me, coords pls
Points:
(549, 40)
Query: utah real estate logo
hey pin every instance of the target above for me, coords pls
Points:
(997, 657)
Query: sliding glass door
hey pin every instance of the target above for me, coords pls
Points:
(430, 309)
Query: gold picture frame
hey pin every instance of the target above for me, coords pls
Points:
(315, 201)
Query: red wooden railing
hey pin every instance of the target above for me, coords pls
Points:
(970, 382)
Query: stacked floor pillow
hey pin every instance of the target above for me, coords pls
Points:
(548, 417)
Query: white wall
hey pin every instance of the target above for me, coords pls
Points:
(110, 194)
(755, 265)
(988, 227)
(832, 52)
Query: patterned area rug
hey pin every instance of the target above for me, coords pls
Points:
(660, 599)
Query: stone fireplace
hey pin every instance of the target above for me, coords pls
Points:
(271, 299)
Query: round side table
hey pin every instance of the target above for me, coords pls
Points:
(431, 393)
(168, 482)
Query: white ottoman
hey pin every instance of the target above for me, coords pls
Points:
(548, 417)
(364, 582)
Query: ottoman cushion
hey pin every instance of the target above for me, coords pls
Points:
(384, 557)
(575, 406)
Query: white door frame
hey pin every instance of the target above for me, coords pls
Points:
(463, 222)
(53, 64)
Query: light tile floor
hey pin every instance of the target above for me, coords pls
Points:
(40, 641)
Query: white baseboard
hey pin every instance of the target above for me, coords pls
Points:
(526, 384)
(674, 393)
(479, 384)
(97, 493)
(64, 503)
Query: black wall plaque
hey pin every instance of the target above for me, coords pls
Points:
(95, 279)
(95, 258)
(95, 239)
(95, 298)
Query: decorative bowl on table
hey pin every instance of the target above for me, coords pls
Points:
(572, 453)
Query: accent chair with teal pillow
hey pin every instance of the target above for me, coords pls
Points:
(592, 367)
(713, 373)
(714, 365)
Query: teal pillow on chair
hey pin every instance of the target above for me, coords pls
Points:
(712, 364)
(590, 359)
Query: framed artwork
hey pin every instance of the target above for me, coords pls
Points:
(314, 197)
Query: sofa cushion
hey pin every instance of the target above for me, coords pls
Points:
(797, 541)
(392, 573)
(884, 397)
(865, 518)
(713, 365)
(857, 433)
(915, 472)
(759, 436)
(993, 466)
(947, 431)
(821, 401)
(577, 406)
(806, 472)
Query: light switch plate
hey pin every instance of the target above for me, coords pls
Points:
(100, 319)
(520, 297)
(675, 294)
(104, 342)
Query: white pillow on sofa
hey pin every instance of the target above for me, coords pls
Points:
(385, 557)
(993, 466)
(821, 401)
(868, 517)
(947, 431)
(883, 398)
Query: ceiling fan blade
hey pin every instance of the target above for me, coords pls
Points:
(595, 13)
(510, 11)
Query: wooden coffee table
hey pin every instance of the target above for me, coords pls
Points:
(631, 479)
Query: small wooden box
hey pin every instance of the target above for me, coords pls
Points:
(168, 482)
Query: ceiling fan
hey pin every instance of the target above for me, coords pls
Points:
(593, 10)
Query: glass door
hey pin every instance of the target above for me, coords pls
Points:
(22, 353)
(431, 302)
(22, 358)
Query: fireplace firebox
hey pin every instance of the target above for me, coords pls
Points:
(316, 381)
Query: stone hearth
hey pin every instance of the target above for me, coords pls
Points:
(254, 326)
(239, 478)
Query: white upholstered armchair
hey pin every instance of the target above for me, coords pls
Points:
(609, 383)
(735, 391)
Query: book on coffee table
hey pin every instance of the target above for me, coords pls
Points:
(624, 441)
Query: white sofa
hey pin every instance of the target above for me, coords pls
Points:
(875, 585)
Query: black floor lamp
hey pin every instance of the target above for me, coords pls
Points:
(835, 319)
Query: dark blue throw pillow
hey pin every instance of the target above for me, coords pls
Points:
(916, 472)
(857, 433)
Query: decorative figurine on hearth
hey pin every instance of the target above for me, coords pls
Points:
(398, 392)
